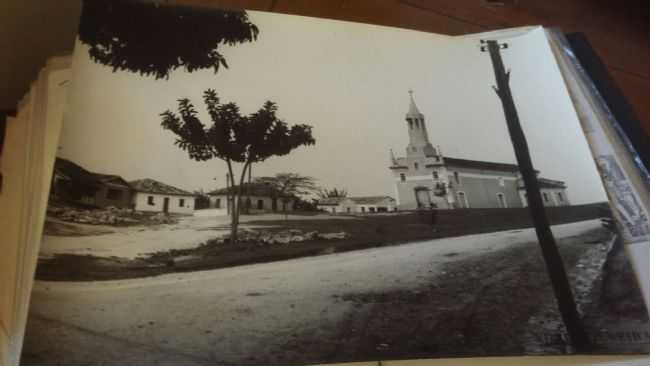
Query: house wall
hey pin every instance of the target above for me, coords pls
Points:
(267, 203)
(344, 207)
(481, 187)
(102, 199)
(552, 194)
(386, 205)
(141, 202)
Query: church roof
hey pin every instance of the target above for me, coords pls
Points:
(546, 183)
(477, 164)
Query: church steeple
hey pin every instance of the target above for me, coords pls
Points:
(413, 112)
(418, 137)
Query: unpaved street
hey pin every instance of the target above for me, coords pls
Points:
(269, 312)
(134, 241)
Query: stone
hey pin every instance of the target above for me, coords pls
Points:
(327, 236)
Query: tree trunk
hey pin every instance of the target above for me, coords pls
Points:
(237, 204)
(553, 260)
(234, 219)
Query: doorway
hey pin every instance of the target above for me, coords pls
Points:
(166, 205)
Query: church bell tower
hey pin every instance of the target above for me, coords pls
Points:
(419, 144)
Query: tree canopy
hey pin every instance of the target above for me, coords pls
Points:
(149, 38)
(233, 136)
(290, 184)
(334, 192)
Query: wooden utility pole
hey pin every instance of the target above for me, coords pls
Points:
(552, 258)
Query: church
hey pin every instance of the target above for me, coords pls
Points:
(425, 178)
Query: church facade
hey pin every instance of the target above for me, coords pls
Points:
(425, 178)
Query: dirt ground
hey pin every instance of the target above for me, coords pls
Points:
(134, 252)
(499, 303)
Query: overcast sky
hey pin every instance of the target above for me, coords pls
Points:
(349, 81)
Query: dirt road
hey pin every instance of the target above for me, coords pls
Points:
(273, 312)
(131, 242)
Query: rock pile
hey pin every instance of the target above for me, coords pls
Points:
(109, 216)
(284, 236)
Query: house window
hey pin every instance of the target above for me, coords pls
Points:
(462, 200)
(181, 202)
(217, 203)
(456, 178)
(402, 177)
(363, 209)
(560, 197)
(435, 175)
(416, 165)
(333, 209)
(150, 200)
(347, 209)
(260, 204)
(371, 209)
(545, 197)
(501, 198)
(113, 194)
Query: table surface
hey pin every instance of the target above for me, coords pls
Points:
(618, 30)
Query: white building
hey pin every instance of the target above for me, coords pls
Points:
(426, 178)
(256, 198)
(357, 205)
(553, 192)
(153, 196)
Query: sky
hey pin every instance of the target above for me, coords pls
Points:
(350, 82)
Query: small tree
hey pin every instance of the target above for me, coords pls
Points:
(334, 192)
(288, 186)
(150, 38)
(234, 138)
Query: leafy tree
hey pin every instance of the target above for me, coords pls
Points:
(234, 138)
(153, 39)
(334, 192)
(289, 186)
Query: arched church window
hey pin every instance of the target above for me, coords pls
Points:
(417, 123)
(410, 121)
(402, 177)
(435, 175)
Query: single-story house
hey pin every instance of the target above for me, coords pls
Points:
(74, 184)
(553, 192)
(357, 205)
(374, 204)
(336, 205)
(153, 196)
(256, 198)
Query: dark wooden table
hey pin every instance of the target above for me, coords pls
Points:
(619, 30)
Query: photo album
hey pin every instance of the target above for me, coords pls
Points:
(205, 186)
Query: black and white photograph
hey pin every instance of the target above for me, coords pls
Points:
(248, 188)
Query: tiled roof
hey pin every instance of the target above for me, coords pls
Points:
(331, 201)
(148, 185)
(477, 164)
(75, 172)
(253, 189)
